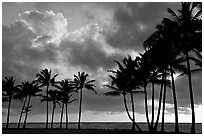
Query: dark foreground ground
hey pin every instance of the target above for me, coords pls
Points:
(75, 131)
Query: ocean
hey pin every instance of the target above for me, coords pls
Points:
(184, 127)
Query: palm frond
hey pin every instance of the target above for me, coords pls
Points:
(112, 93)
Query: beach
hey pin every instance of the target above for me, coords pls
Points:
(76, 131)
(96, 128)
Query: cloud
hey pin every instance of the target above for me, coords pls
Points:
(85, 47)
(46, 24)
(135, 22)
(19, 58)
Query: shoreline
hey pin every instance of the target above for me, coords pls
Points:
(76, 131)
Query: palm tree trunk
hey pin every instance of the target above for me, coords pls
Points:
(126, 108)
(152, 122)
(19, 122)
(146, 108)
(159, 108)
(26, 112)
(175, 101)
(61, 116)
(66, 116)
(133, 112)
(9, 107)
(164, 99)
(191, 93)
(53, 112)
(79, 127)
(47, 108)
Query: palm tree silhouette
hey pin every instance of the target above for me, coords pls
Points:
(8, 89)
(124, 82)
(81, 82)
(44, 79)
(66, 89)
(165, 39)
(22, 93)
(29, 90)
(53, 96)
(190, 26)
(144, 73)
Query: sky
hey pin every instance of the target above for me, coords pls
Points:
(72, 37)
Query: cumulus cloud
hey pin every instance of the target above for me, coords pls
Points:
(46, 25)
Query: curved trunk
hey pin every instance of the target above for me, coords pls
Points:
(61, 116)
(159, 108)
(164, 99)
(19, 122)
(175, 101)
(79, 127)
(191, 93)
(47, 108)
(66, 116)
(53, 112)
(152, 122)
(9, 107)
(133, 111)
(126, 108)
(28, 104)
(146, 108)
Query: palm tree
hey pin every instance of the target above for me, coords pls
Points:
(123, 83)
(32, 91)
(45, 79)
(81, 82)
(165, 39)
(22, 93)
(144, 73)
(190, 26)
(8, 89)
(66, 89)
(54, 96)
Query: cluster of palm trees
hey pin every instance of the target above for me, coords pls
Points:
(57, 92)
(172, 48)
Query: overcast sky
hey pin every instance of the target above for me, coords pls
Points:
(72, 37)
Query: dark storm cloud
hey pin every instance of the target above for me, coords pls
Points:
(136, 21)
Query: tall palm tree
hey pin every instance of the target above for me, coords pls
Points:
(124, 83)
(8, 89)
(165, 39)
(33, 91)
(44, 79)
(54, 97)
(144, 73)
(81, 82)
(190, 26)
(66, 89)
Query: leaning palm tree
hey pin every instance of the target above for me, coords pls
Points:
(80, 82)
(53, 96)
(8, 89)
(44, 79)
(66, 89)
(190, 26)
(22, 94)
(120, 85)
(32, 92)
